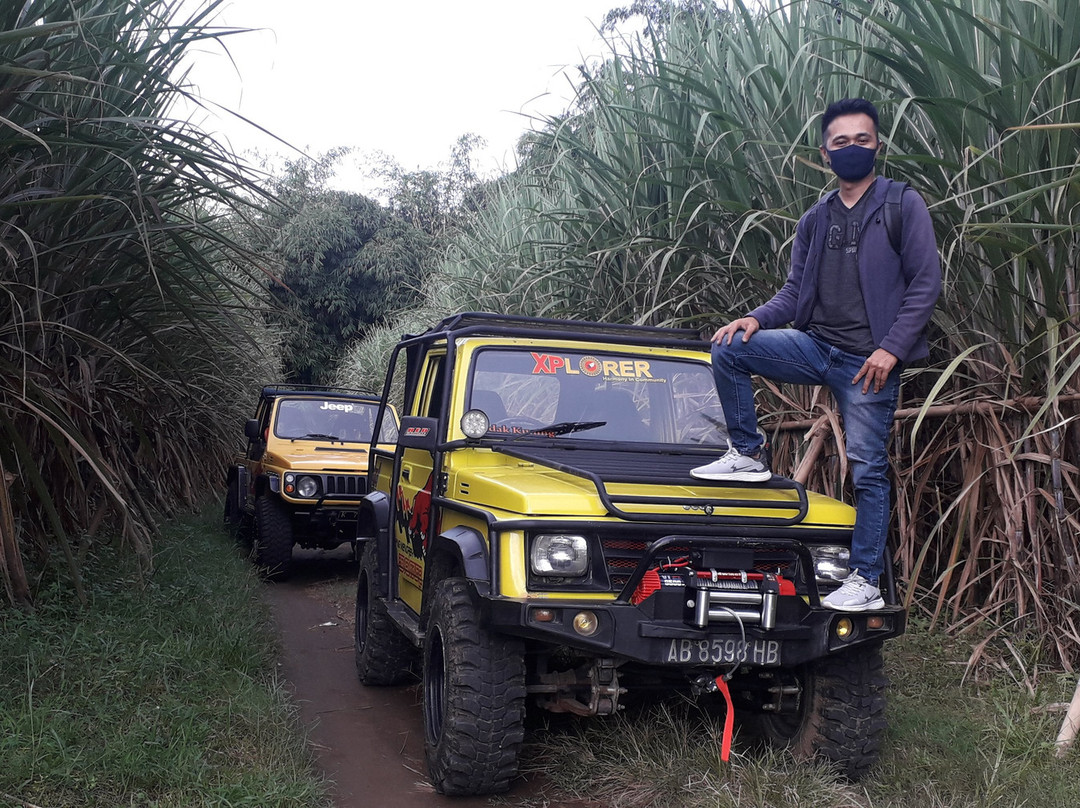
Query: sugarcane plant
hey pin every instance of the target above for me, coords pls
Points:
(669, 194)
(128, 305)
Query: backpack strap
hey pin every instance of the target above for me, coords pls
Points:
(813, 210)
(894, 219)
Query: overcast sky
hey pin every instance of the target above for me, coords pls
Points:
(405, 78)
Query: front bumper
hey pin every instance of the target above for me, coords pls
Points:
(634, 633)
(728, 599)
(330, 519)
(322, 524)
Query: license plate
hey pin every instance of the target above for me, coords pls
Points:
(720, 650)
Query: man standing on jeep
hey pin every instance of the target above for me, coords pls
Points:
(859, 295)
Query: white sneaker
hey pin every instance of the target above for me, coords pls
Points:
(734, 467)
(856, 594)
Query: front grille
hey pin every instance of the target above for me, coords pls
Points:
(622, 555)
(338, 484)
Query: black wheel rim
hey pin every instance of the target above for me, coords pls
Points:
(786, 726)
(361, 612)
(435, 687)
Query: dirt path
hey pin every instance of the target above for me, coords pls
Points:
(368, 741)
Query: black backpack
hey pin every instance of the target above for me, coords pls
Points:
(894, 219)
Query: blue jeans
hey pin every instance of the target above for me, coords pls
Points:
(787, 355)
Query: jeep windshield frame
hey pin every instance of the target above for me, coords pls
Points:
(303, 414)
(570, 453)
(446, 334)
(587, 396)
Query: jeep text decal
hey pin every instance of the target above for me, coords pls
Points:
(591, 366)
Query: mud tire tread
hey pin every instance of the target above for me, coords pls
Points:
(385, 656)
(843, 714)
(273, 539)
(482, 723)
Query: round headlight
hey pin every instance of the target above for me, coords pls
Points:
(307, 487)
(475, 423)
(831, 562)
(560, 555)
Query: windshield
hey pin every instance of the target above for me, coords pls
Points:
(588, 396)
(330, 419)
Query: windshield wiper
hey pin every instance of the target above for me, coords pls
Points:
(319, 436)
(561, 428)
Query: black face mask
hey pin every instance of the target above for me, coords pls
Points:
(853, 162)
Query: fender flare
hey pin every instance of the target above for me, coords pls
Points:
(373, 524)
(468, 546)
(240, 474)
(264, 482)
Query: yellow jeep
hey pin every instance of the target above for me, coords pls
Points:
(304, 472)
(535, 539)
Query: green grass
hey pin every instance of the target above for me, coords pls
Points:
(951, 744)
(157, 696)
(165, 696)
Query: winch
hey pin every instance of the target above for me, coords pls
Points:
(715, 596)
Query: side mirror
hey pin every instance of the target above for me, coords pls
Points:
(418, 433)
(251, 429)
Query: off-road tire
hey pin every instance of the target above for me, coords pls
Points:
(841, 715)
(273, 538)
(234, 519)
(383, 654)
(474, 697)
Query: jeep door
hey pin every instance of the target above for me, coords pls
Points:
(256, 449)
(414, 516)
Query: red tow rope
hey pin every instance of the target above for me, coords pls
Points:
(729, 718)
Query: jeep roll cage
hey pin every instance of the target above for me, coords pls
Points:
(271, 392)
(315, 390)
(486, 324)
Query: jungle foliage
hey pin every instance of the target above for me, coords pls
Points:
(346, 265)
(342, 263)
